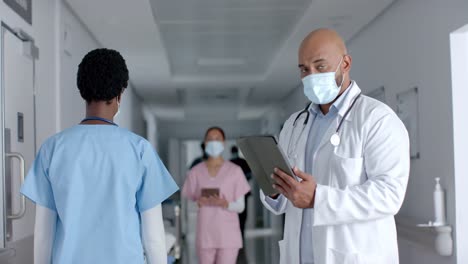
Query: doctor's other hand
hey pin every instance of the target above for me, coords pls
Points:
(301, 194)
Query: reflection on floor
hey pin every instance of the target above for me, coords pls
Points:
(261, 246)
(260, 250)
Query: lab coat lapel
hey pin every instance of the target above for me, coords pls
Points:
(355, 90)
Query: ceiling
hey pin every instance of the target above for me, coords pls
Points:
(224, 38)
(216, 59)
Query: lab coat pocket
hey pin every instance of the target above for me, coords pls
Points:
(346, 172)
(282, 250)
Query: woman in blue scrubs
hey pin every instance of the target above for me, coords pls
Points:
(98, 187)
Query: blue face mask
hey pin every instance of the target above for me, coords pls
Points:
(214, 148)
(321, 88)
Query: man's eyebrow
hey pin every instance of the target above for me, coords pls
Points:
(318, 60)
(315, 61)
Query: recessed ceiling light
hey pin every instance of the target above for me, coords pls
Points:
(220, 61)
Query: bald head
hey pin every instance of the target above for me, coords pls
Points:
(324, 37)
(323, 50)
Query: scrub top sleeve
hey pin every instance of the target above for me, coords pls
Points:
(157, 184)
(37, 186)
(242, 187)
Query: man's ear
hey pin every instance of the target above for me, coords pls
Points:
(348, 60)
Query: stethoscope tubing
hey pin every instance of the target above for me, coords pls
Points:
(335, 138)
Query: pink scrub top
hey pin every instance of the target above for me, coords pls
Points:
(217, 227)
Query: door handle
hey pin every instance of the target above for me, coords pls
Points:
(22, 210)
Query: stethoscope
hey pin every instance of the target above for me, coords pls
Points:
(96, 118)
(335, 139)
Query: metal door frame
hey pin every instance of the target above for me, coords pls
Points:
(2, 143)
(23, 36)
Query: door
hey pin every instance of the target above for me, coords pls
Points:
(18, 127)
(459, 61)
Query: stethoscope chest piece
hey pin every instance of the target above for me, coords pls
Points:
(335, 140)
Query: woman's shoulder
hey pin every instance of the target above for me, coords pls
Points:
(197, 168)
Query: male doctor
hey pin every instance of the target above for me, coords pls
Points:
(350, 155)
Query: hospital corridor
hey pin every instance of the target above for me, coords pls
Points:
(233, 132)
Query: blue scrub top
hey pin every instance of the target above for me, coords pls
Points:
(98, 178)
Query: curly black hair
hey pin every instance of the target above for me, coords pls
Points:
(102, 75)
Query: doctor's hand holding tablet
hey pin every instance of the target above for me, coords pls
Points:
(273, 171)
(300, 193)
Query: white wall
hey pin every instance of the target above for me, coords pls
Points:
(44, 34)
(459, 54)
(71, 105)
(131, 112)
(272, 122)
(295, 101)
(409, 45)
(151, 127)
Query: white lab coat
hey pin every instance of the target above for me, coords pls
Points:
(361, 186)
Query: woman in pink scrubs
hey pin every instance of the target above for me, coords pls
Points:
(223, 186)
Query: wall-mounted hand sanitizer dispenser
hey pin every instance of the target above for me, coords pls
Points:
(439, 204)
